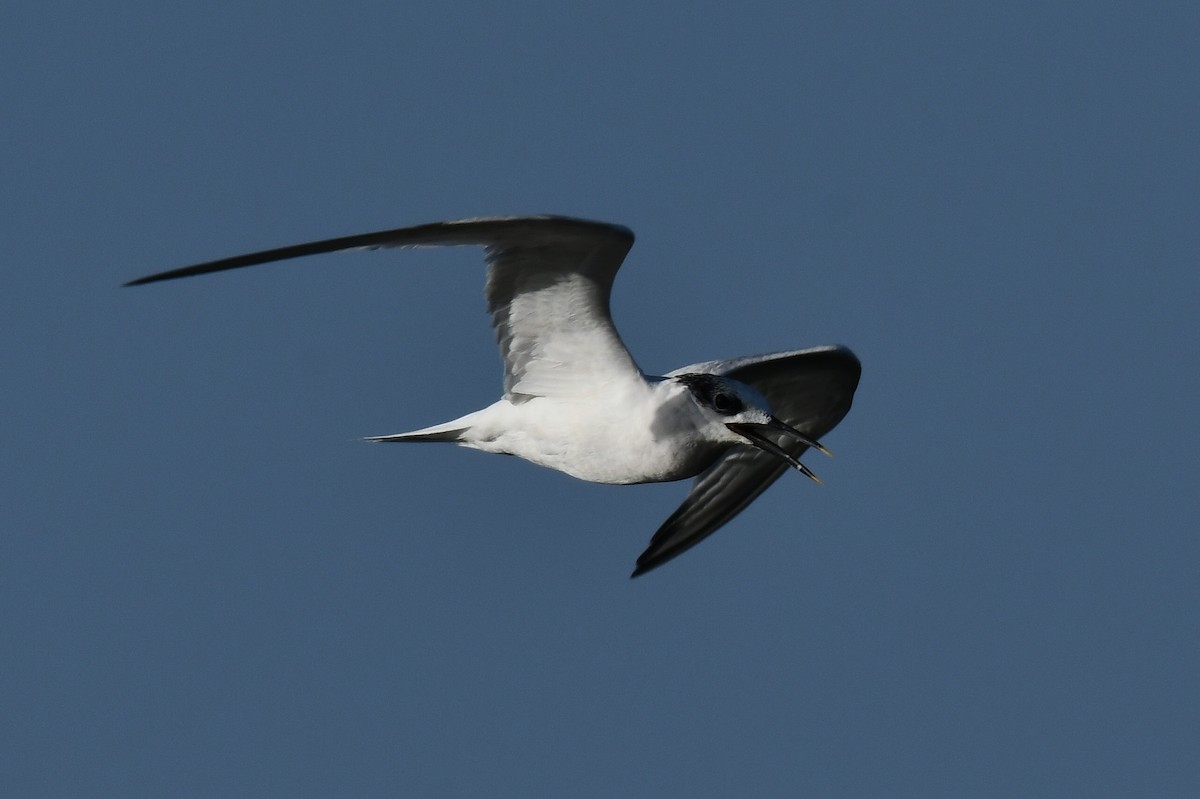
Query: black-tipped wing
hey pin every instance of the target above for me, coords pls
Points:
(811, 390)
(548, 287)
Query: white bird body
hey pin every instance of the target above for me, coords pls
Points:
(574, 399)
(647, 433)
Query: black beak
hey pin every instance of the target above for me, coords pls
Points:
(753, 433)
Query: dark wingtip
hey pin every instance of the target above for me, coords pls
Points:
(645, 563)
(186, 271)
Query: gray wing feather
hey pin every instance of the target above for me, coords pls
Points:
(811, 390)
(549, 281)
(548, 293)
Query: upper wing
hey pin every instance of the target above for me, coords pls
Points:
(549, 281)
(811, 390)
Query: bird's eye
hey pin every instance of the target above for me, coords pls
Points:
(726, 403)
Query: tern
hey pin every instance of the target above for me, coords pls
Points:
(574, 399)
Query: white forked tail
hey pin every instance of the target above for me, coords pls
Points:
(450, 431)
(456, 431)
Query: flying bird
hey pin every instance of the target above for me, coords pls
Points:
(574, 399)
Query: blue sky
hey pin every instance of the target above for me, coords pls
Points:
(210, 587)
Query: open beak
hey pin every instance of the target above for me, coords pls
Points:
(753, 432)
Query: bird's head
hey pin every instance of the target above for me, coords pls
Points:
(736, 413)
